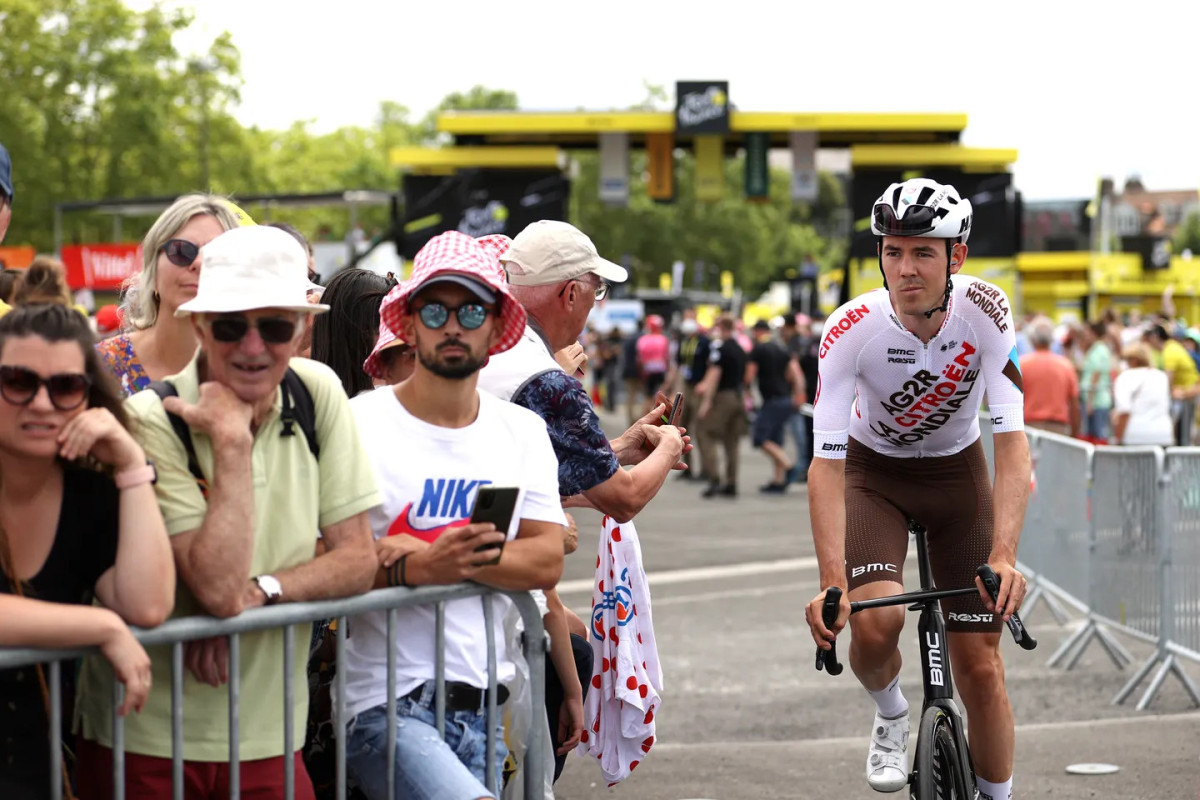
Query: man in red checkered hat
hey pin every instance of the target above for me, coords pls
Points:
(434, 441)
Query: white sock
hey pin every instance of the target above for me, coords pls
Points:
(890, 701)
(994, 791)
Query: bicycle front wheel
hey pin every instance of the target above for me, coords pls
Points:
(938, 767)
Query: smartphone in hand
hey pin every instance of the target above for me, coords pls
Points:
(676, 408)
(497, 505)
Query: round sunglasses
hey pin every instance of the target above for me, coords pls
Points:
(67, 391)
(470, 315)
(180, 252)
(273, 330)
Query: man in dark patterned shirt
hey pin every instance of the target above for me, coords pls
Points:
(558, 276)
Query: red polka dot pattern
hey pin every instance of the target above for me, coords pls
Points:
(625, 701)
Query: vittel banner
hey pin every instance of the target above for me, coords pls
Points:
(702, 107)
(101, 266)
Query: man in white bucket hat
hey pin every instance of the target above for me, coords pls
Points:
(243, 495)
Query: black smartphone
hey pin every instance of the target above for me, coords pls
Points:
(676, 409)
(497, 505)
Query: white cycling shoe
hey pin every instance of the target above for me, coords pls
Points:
(887, 760)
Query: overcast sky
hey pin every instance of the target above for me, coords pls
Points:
(1079, 91)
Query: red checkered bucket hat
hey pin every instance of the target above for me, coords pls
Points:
(497, 244)
(386, 339)
(456, 254)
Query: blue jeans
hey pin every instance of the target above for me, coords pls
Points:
(1097, 422)
(427, 768)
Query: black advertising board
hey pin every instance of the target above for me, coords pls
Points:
(702, 107)
(1154, 250)
(995, 225)
(479, 202)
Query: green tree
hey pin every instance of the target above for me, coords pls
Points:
(1187, 236)
(478, 98)
(97, 102)
(759, 242)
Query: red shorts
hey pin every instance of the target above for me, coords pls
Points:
(149, 777)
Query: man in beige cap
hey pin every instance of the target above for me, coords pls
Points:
(558, 276)
(243, 523)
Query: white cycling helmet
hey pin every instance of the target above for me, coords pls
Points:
(921, 207)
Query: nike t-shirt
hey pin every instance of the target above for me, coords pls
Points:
(428, 477)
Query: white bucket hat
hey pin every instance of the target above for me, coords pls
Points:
(250, 268)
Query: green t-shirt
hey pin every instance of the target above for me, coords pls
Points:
(293, 498)
(1098, 363)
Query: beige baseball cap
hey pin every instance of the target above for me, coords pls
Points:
(549, 251)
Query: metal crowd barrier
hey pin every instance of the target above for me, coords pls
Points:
(1058, 510)
(1113, 531)
(176, 632)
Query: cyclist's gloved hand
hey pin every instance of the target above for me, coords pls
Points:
(821, 633)
(1012, 589)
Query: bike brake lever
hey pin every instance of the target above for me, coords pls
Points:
(827, 659)
(991, 582)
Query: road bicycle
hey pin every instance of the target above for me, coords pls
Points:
(942, 768)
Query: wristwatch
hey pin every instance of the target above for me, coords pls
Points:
(270, 586)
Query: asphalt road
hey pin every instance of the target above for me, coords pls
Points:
(746, 716)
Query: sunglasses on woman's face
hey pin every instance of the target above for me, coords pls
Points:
(435, 315)
(20, 386)
(180, 252)
(273, 330)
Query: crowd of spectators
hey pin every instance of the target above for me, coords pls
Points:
(180, 456)
(235, 435)
(1119, 379)
(732, 384)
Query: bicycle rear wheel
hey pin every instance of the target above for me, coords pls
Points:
(938, 767)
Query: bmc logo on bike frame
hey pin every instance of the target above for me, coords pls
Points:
(863, 570)
(933, 644)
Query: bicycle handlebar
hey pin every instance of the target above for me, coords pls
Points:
(827, 659)
(992, 583)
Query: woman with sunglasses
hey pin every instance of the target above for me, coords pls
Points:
(159, 344)
(78, 520)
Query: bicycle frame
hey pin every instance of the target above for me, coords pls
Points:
(931, 627)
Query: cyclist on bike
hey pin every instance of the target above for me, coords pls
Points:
(902, 374)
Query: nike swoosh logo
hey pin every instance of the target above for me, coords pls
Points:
(402, 525)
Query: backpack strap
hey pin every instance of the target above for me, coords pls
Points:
(298, 409)
(165, 389)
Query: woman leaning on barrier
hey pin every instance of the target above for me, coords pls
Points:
(78, 520)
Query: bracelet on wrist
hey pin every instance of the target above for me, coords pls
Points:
(396, 572)
(129, 478)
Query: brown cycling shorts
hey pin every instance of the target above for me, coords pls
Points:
(950, 495)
